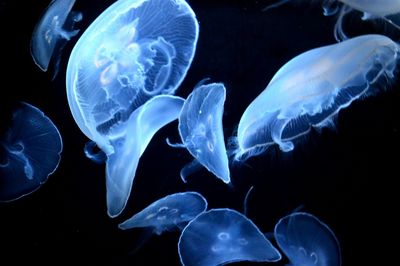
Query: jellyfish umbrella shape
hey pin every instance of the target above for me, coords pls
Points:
(312, 88)
(307, 241)
(167, 213)
(54, 28)
(221, 236)
(201, 131)
(30, 152)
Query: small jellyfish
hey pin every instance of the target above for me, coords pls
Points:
(221, 236)
(30, 151)
(174, 210)
(307, 241)
(200, 128)
(311, 88)
(54, 28)
(135, 50)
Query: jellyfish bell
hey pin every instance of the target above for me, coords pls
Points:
(54, 28)
(167, 213)
(201, 132)
(307, 241)
(312, 88)
(30, 151)
(134, 51)
(221, 236)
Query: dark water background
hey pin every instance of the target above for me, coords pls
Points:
(346, 177)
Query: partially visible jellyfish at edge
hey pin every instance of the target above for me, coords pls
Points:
(134, 51)
(221, 236)
(201, 131)
(386, 10)
(311, 89)
(51, 33)
(30, 151)
(167, 213)
(307, 241)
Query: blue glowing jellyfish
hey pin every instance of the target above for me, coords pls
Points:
(371, 9)
(172, 211)
(54, 28)
(311, 88)
(307, 241)
(200, 128)
(30, 151)
(222, 236)
(121, 165)
(135, 50)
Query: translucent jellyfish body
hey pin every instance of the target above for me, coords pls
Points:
(135, 50)
(222, 236)
(54, 28)
(121, 165)
(307, 241)
(30, 152)
(174, 210)
(311, 88)
(200, 128)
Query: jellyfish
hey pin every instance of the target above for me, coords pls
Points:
(174, 210)
(54, 28)
(310, 89)
(135, 50)
(371, 9)
(30, 151)
(200, 128)
(121, 165)
(221, 236)
(307, 241)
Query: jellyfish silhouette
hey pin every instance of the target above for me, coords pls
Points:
(382, 9)
(172, 211)
(30, 152)
(200, 128)
(54, 28)
(311, 88)
(135, 50)
(221, 236)
(307, 241)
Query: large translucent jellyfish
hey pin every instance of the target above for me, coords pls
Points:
(30, 151)
(121, 165)
(174, 210)
(200, 128)
(222, 236)
(311, 88)
(307, 241)
(135, 50)
(371, 9)
(54, 28)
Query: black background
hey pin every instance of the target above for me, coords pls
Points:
(346, 176)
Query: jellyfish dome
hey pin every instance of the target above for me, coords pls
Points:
(135, 50)
(221, 236)
(307, 241)
(54, 27)
(200, 128)
(30, 151)
(311, 88)
(174, 210)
